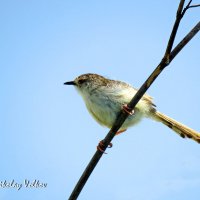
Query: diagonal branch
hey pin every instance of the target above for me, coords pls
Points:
(184, 41)
(168, 57)
(174, 31)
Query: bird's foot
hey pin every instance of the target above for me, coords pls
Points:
(127, 109)
(101, 146)
(121, 131)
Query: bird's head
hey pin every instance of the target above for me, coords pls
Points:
(87, 82)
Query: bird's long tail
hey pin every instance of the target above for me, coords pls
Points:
(182, 130)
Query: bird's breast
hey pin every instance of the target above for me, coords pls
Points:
(105, 104)
(103, 109)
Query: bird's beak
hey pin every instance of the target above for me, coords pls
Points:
(70, 83)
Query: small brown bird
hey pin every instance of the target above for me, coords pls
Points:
(104, 98)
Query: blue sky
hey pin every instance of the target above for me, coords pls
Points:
(47, 133)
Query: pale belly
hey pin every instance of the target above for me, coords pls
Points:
(105, 113)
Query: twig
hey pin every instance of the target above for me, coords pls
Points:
(168, 57)
(194, 6)
(189, 6)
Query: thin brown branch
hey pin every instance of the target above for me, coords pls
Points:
(184, 41)
(174, 31)
(189, 6)
(186, 8)
(194, 6)
(167, 58)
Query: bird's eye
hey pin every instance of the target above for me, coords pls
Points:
(81, 81)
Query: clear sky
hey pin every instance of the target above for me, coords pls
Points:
(47, 133)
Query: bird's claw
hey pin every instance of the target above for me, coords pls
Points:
(127, 109)
(101, 146)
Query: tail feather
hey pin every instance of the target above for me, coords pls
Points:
(182, 130)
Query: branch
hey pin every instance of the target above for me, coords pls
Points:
(168, 57)
(194, 6)
(174, 31)
(184, 41)
(189, 6)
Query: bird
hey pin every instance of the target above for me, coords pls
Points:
(105, 98)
